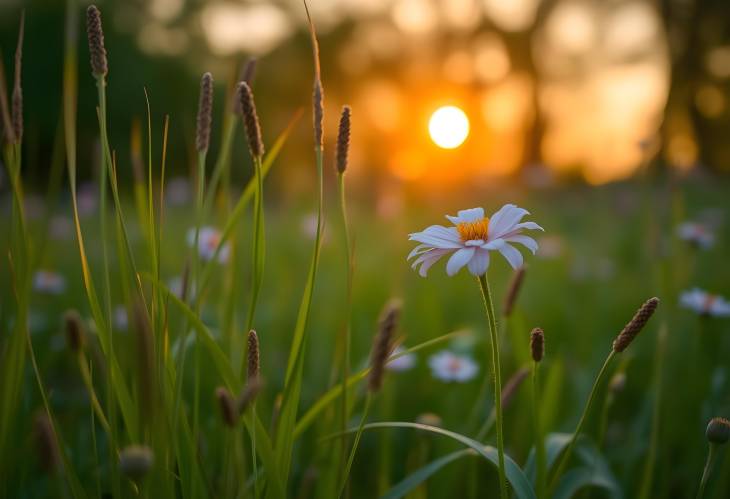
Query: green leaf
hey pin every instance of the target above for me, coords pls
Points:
(517, 479)
(422, 474)
(578, 479)
(555, 444)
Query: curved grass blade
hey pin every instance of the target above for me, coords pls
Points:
(555, 444)
(422, 474)
(579, 479)
(330, 396)
(517, 479)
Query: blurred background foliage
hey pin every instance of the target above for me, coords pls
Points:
(564, 88)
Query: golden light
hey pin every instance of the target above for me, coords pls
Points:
(448, 127)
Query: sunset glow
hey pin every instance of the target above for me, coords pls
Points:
(448, 127)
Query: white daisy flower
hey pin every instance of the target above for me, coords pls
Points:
(46, 281)
(402, 363)
(697, 234)
(448, 366)
(472, 238)
(208, 240)
(705, 303)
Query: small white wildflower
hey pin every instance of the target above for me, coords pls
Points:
(448, 366)
(46, 281)
(705, 303)
(121, 320)
(471, 240)
(402, 363)
(208, 240)
(697, 234)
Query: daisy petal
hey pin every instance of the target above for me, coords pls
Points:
(458, 260)
(438, 237)
(427, 260)
(479, 262)
(526, 241)
(513, 256)
(421, 248)
(494, 244)
(529, 226)
(470, 215)
(505, 219)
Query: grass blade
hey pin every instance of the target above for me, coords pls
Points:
(520, 484)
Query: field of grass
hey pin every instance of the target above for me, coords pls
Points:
(149, 390)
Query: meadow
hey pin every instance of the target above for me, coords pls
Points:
(128, 368)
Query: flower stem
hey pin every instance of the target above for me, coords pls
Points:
(494, 343)
(708, 469)
(566, 455)
(346, 331)
(539, 440)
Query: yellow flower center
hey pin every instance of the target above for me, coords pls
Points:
(469, 231)
(709, 302)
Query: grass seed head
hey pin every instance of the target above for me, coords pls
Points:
(382, 344)
(537, 344)
(343, 139)
(49, 453)
(99, 66)
(718, 431)
(318, 112)
(135, 461)
(635, 325)
(250, 120)
(513, 291)
(254, 366)
(205, 113)
(75, 330)
(227, 406)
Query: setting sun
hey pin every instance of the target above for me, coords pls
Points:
(448, 127)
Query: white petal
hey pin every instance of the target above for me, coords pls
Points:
(458, 260)
(421, 248)
(427, 260)
(529, 226)
(526, 241)
(513, 256)
(517, 229)
(479, 262)
(438, 237)
(470, 215)
(494, 244)
(505, 219)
